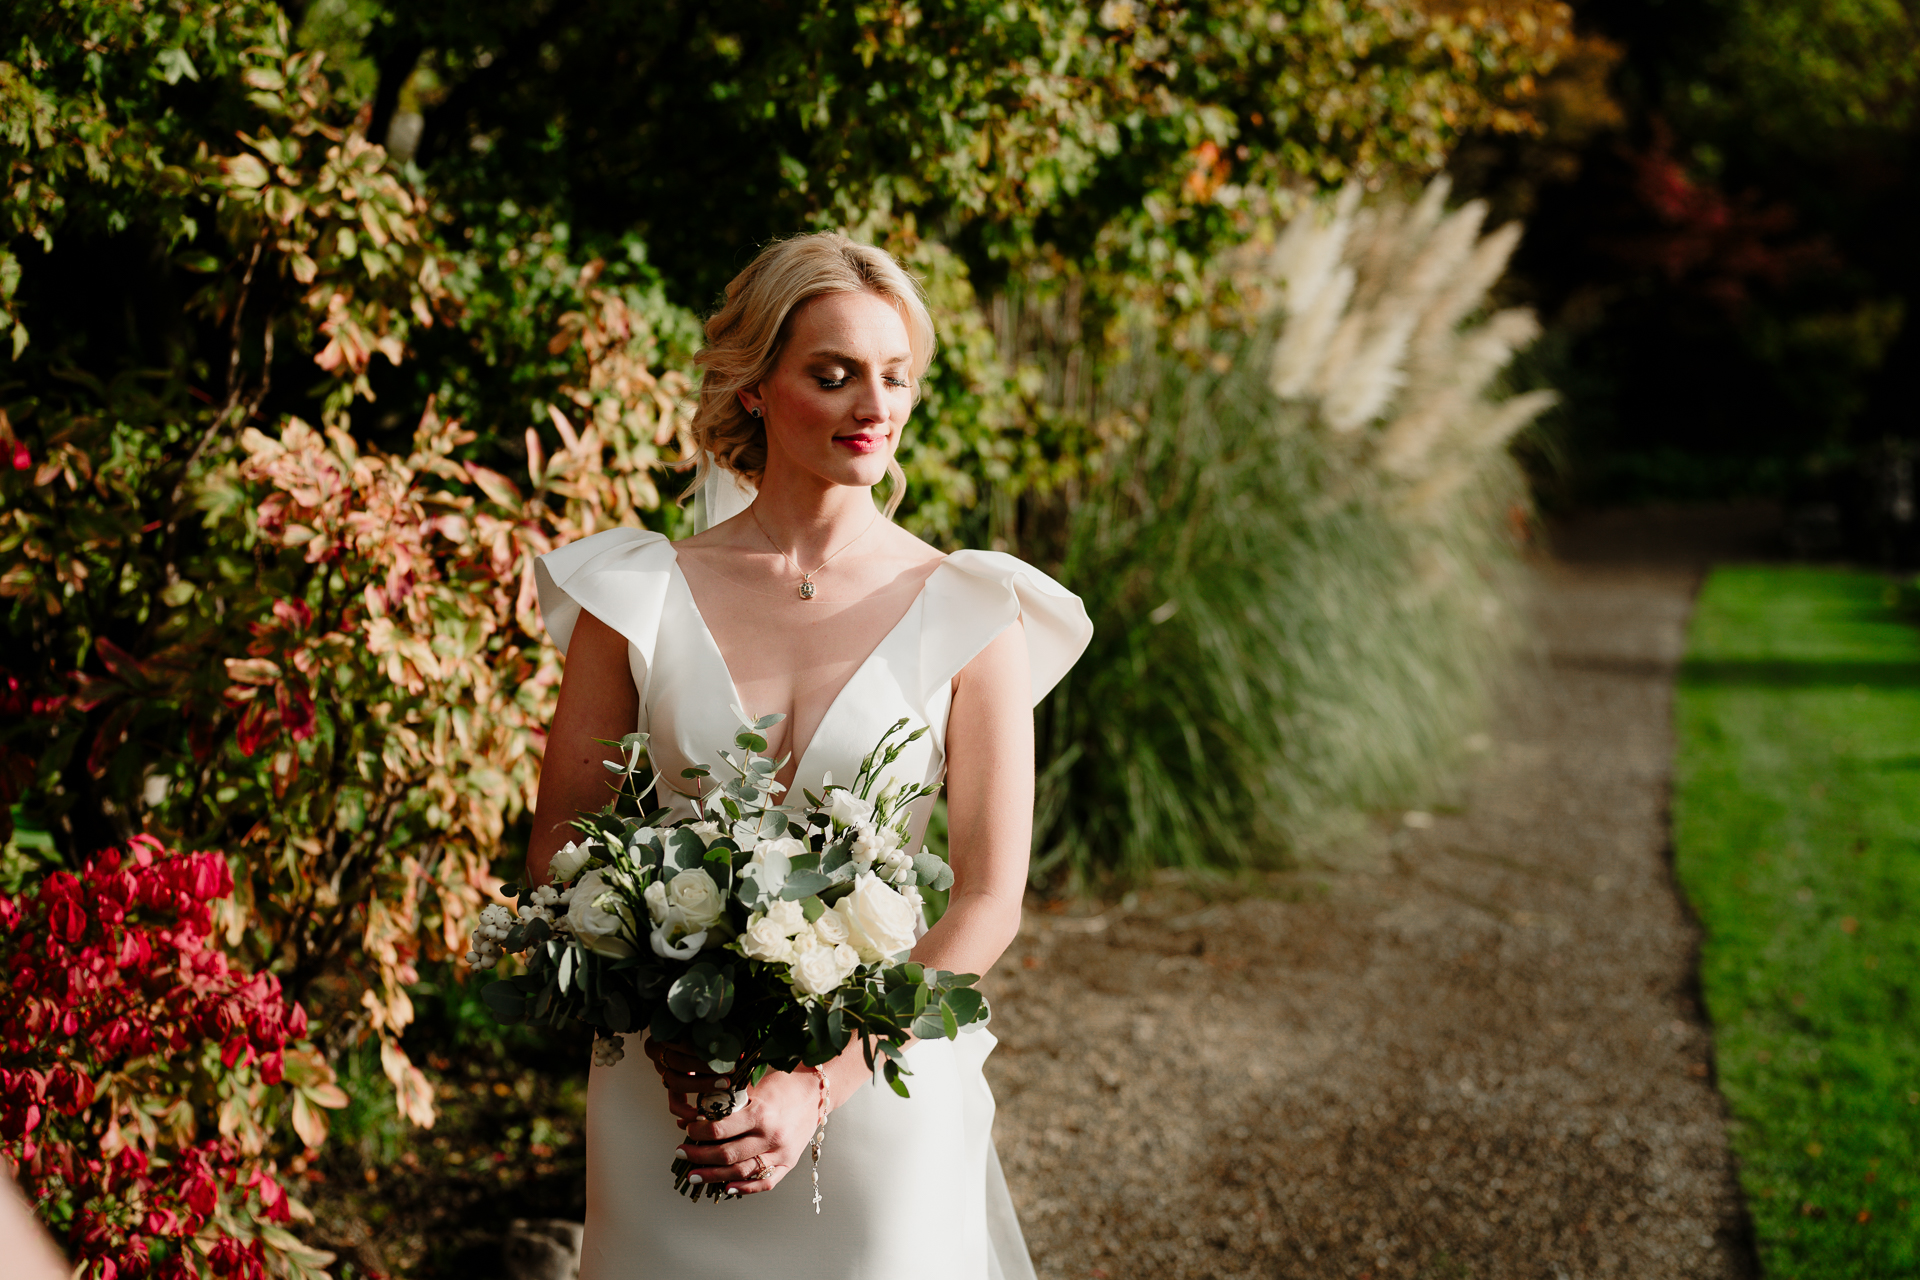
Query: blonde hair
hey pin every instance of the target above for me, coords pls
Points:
(747, 335)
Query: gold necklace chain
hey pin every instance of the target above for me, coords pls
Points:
(806, 578)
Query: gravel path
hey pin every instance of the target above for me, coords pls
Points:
(1475, 1052)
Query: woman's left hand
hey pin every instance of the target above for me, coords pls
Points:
(758, 1145)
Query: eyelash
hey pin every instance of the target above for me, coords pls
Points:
(830, 384)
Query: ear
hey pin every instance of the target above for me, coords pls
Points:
(751, 401)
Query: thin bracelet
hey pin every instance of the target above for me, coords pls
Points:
(820, 1133)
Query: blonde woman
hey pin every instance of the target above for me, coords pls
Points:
(804, 598)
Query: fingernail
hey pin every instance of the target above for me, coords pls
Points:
(695, 1178)
(681, 1152)
(733, 1191)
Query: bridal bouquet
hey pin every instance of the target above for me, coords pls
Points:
(757, 936)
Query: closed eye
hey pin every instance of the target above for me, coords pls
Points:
(834, 384)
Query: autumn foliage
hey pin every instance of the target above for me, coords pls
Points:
(143, 1070)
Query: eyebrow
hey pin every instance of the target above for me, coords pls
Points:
(844, 358)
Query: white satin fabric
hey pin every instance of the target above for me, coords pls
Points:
(912, 1186)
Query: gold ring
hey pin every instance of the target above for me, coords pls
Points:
(760, 1165)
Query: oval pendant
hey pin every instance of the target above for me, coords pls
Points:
(806, 589)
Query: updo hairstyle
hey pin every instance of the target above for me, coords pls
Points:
(746, 336)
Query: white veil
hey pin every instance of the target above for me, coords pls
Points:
(722, 496)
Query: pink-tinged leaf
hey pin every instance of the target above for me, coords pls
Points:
(567, 434)
(245, 171)
(536, 457)
(494, 485)
(118, 660)
(253, 670)
(257, 723)
(308, 1121)
(296, 613)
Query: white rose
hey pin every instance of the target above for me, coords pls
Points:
(785, 846)
(772, 862)
(847, 809)
(847, 958)
(601, 919)
(765, 940)
(570, 861)
(789, 917)
(807, 940)
(879, 921)
(696, 897)
(656, 896)
(817, 971)
(831, 929)
(707, 831)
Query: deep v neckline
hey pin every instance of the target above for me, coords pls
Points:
(733, 687)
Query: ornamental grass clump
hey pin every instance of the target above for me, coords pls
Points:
(1302, 563)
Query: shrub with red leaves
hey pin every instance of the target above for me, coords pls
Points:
(140, 1070)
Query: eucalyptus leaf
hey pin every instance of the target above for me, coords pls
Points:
(968, 1005)
(932, 871)
(506, 1004)
(804, 884)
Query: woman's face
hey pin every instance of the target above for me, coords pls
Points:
(835, 403)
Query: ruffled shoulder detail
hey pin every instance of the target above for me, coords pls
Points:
(620, 576)
(975, 595)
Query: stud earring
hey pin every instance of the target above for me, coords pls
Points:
(754, 412)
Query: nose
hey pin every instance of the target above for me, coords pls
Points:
(870, 406)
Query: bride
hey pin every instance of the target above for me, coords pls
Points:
(804, 598)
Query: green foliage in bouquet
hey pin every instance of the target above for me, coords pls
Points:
(758, 937)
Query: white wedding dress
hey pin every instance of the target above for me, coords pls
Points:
(912, 1187)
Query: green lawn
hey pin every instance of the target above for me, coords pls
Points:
(1797, 838)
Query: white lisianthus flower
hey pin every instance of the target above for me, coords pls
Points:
(879, 921)
(848, 809)
(664, 947)
(656, 897)
(831, 929)
(817, 971)
(570, 861)
(789, 917)
(697, 898)
(764, 940)
(601, 920)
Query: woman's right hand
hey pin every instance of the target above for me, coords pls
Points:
(758, 1145)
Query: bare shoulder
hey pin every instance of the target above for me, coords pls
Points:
(908, 548)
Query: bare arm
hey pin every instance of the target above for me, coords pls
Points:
(24, 1243)
(597, 702)
(989, 808)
